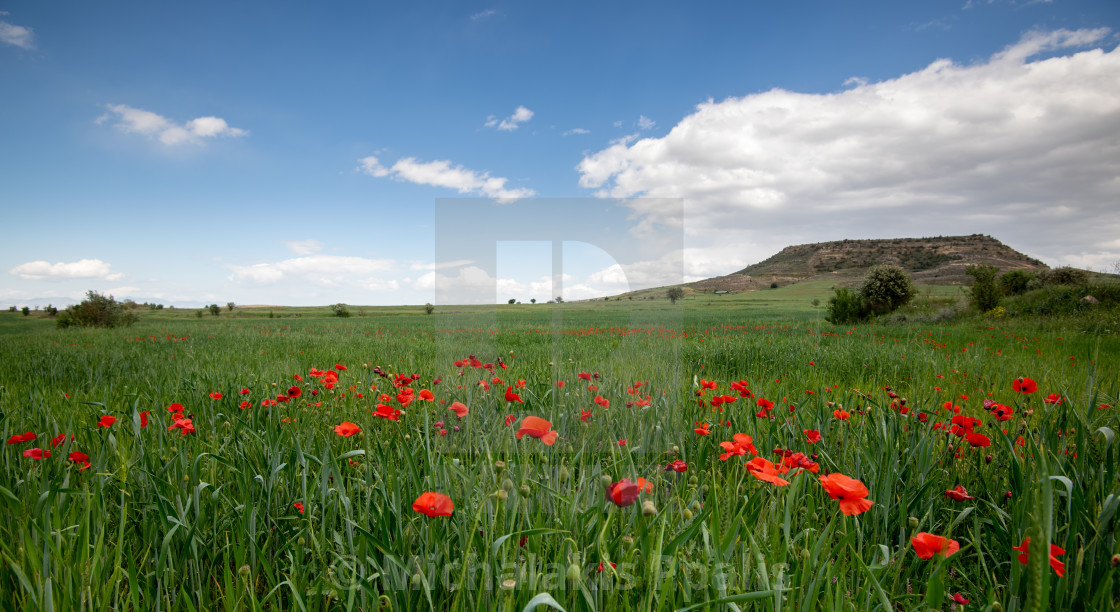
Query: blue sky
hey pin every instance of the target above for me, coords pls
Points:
(294, 153)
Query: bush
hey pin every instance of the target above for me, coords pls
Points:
(214, 309)
(1064, 275)
(96, 311)
(674, 294)
(984, 292)
(847, 306)
(429, 308)
(1015, 282)
(340, 310)
(886, 288)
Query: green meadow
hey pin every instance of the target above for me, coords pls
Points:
(222, 479)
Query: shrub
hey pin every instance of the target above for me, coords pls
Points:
(26, 311)
(674, 294)
(1065, 275)
(846, 306)
(886, 288)
(429, 308)
(984, 292)
(340, 310)
(230, 306)
(1015, 282)
(96, 311)
(214, 309)
(774, 285)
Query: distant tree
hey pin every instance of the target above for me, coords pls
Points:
(886, 288)
(214, 309)
(429, 308)
(11, 308)
(512, 301)
(340, 310)
(198, 313)
(674, 294)
(51, 311)
(559, 300)
(1066, 275)
(230, 306)
(774, 285)
(96, 311)
(26, 311)
(984, 293)
(533, 300)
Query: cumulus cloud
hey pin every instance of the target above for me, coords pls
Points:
(441, 173)
(85, 268)
(328, 271)
(1022, 147)
(304, 247)
(511, 123)
(576, 131)
(138, 121)
(439, 265)
(19, 36)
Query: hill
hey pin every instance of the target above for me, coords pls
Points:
(939, 260)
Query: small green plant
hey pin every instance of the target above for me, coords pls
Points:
(846, 306)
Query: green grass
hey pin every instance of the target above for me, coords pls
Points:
(208, 521)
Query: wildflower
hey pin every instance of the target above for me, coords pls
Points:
(958, 493)
(623, 493)
(383, 412)
(978, 440)
(740, 445)
(511, 396)
(59, 439)
(926, 545)
(294, 392)
(176, 407)
(584, 415)
(426, 395)
(851, 493)
(298, 506)
(765, 471)
(1059, 567)
(36, 453)
(460, 409)
(1024, 385)
(184, 425)
(703, 430)
(144, 418)
(346, 429)
(812, 436)
(536, 427)
(841, 414)
(20, 438)
(676, 466)
(214, 395)
(957, 597)
(106, 421)
(433, 504)
(79, 457)
(1053, 398)
(510, 419)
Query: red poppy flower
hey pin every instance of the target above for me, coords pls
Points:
(926, 545)
(346, 429)
(703, 430)
(707, 384)
(978, 440)
(602, 401)
(173, 408)
(511, 396)
(812, 436)
(957, 597)
(1053, 398)
(1059, 567)
(585, 376)
(510, 419)
(59, 439)
(79, 457)
(584, 415)
(382, 412)
(106, 421)
(765, 471)
(36, 453)
(958, 493)
(427, 395)
(623, 442)
(294, 391)
(298, 506)
(841, 414)
(214, 395)
(764, 403)
(623, 493)
(20, 438)
(1024, 385)
(740, 445)
(536, 427)
(244, 392)
(611, 563)
(1002, 413)
(433, 504)
(460, 409)
(339, 367)
(676, 466)
(186, 426)
(851, 493)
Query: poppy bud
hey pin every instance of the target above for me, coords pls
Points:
(501, 495)
(988, 459)
(500, 467)
(523, 490)
(1115, 560)
(804, 554)
(508, 485)
(692, 480)
(416, 581)
(997, 607)
(628, 542)
(244, 571)
(704, 489)
(508, 584)
(407, 437)
(694, 506)
(607, 480)
(564, 474)
(186, 478)
(1007, 495)
(687, 514)
(648, 509)
(573, 572)
(913, 522)
(676, 449)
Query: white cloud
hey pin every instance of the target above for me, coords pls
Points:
(20, 36)
(617, 124)
(483, 14)
(139, 121)
(576, 131)
(1025, 150)
(304, 247)
(645, 123)
(440, 265)
(85, 268)
(511, 123)
(441, 173)
(329, 271)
